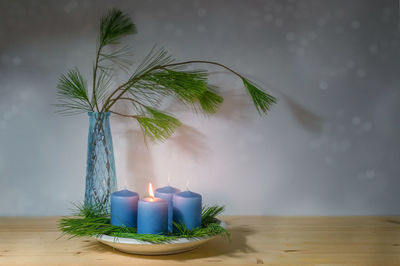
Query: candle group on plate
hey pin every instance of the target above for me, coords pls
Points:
(154, 214)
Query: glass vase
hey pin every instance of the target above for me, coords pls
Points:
(100, 167)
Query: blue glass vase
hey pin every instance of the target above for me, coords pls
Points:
(100, 168)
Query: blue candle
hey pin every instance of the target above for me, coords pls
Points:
(152, 215)
(167, 193)
(187, 209)
(124, 206)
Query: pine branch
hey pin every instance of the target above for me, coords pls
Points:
(158, 77)
(262, 100)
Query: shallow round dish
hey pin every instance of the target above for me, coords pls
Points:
(134, 246)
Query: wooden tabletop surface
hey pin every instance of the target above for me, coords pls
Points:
(255, 240)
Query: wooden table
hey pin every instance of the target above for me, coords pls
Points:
(255, 240)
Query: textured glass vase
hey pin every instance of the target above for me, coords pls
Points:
(100, 168)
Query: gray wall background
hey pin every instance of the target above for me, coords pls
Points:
(330, 147)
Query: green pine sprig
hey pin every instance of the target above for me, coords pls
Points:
(159, 76)
(262, 100)
(72, 94)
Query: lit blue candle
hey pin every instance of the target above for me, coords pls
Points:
(187, 209)
(152, 215)
(167, 193)
(124, 206)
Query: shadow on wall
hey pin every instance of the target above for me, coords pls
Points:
(192, 143)
(139, 160)
(310, 121)
(307, 119)
(236, 104)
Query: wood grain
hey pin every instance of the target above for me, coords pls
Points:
(255, 240)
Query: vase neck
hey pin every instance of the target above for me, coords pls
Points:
(99, 115)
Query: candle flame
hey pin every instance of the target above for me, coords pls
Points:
(151, 191)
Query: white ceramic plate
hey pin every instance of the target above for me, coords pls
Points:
(134, 246)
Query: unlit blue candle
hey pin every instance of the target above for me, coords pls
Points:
(124, 206)
(167, 193)
(152, 216)
(187, 209)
